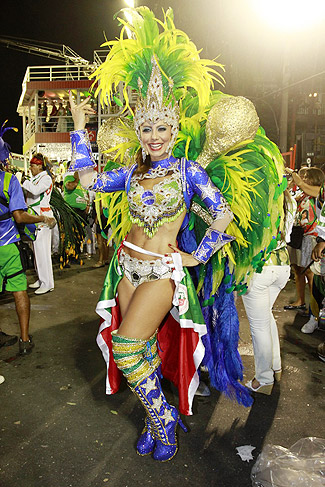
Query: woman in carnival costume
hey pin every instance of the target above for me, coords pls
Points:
(180, 222)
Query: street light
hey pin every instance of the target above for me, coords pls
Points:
(130, 3)
(290, 15)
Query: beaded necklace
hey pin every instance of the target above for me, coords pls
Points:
(152, 208)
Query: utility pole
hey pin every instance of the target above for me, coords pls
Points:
(284, 101)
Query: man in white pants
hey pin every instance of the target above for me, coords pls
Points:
(39, 190)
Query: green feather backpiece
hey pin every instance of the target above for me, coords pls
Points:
(249, 173)
(251, 180)
(250, 177)
(116, 209)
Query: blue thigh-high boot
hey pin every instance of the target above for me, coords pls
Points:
(164, 417)
(131, 357)
(146, 443)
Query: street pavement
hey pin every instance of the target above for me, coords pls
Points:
(59, 429)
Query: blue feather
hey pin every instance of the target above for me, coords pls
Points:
(221, 341)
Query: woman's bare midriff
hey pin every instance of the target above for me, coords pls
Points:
(166, 234)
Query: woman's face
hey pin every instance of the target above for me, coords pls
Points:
(155, 138)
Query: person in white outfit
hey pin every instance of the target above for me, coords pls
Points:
(38, 193)
(259, 300)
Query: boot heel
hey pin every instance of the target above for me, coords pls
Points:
(182, 425)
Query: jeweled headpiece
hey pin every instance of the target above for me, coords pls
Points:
(154, 107)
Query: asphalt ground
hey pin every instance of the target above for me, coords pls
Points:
(59, 429)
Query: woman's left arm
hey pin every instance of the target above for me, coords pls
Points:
(214, 237)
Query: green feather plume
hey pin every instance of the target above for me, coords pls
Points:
(129, 59)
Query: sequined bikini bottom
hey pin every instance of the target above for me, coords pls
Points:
(138, 271)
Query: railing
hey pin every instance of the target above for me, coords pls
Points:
(30, 129)
(64, 123)
(70, 72)
(100, 56)
(61, 123)
(290, 157)
(55, 73)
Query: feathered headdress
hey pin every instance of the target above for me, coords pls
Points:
(160, 63)
(4, 146)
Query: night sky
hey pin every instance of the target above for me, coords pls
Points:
(248, 47)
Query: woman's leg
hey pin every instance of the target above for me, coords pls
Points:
(143, 308)
(105, 250)
(100, 261)
(257, 306)
(310, 277)
(300, 285)
(282, 276)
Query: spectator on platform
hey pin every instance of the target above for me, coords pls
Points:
(62, 121)
(70, 125)
(53, 118)
(43, 116)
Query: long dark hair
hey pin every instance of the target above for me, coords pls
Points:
(314, 175)
(143, 166)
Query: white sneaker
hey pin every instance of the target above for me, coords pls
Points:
(35, 285)
(310, 326)
(2, 379)
(43, 290)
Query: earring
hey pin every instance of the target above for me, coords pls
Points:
(144, 155)
(174, 133)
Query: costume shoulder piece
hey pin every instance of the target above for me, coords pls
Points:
(248, 170)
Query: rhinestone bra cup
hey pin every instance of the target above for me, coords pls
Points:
(151, 208)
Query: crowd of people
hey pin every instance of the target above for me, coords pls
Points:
(27, 221)
(167, 307)
(55, 118)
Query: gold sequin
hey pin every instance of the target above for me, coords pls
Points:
(230, 121)
(108, 137)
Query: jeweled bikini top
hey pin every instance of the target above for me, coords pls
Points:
(151, 208)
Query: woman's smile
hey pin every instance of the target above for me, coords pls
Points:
(155, 138)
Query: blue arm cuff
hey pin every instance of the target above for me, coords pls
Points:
(212, 241)
(82, 156)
